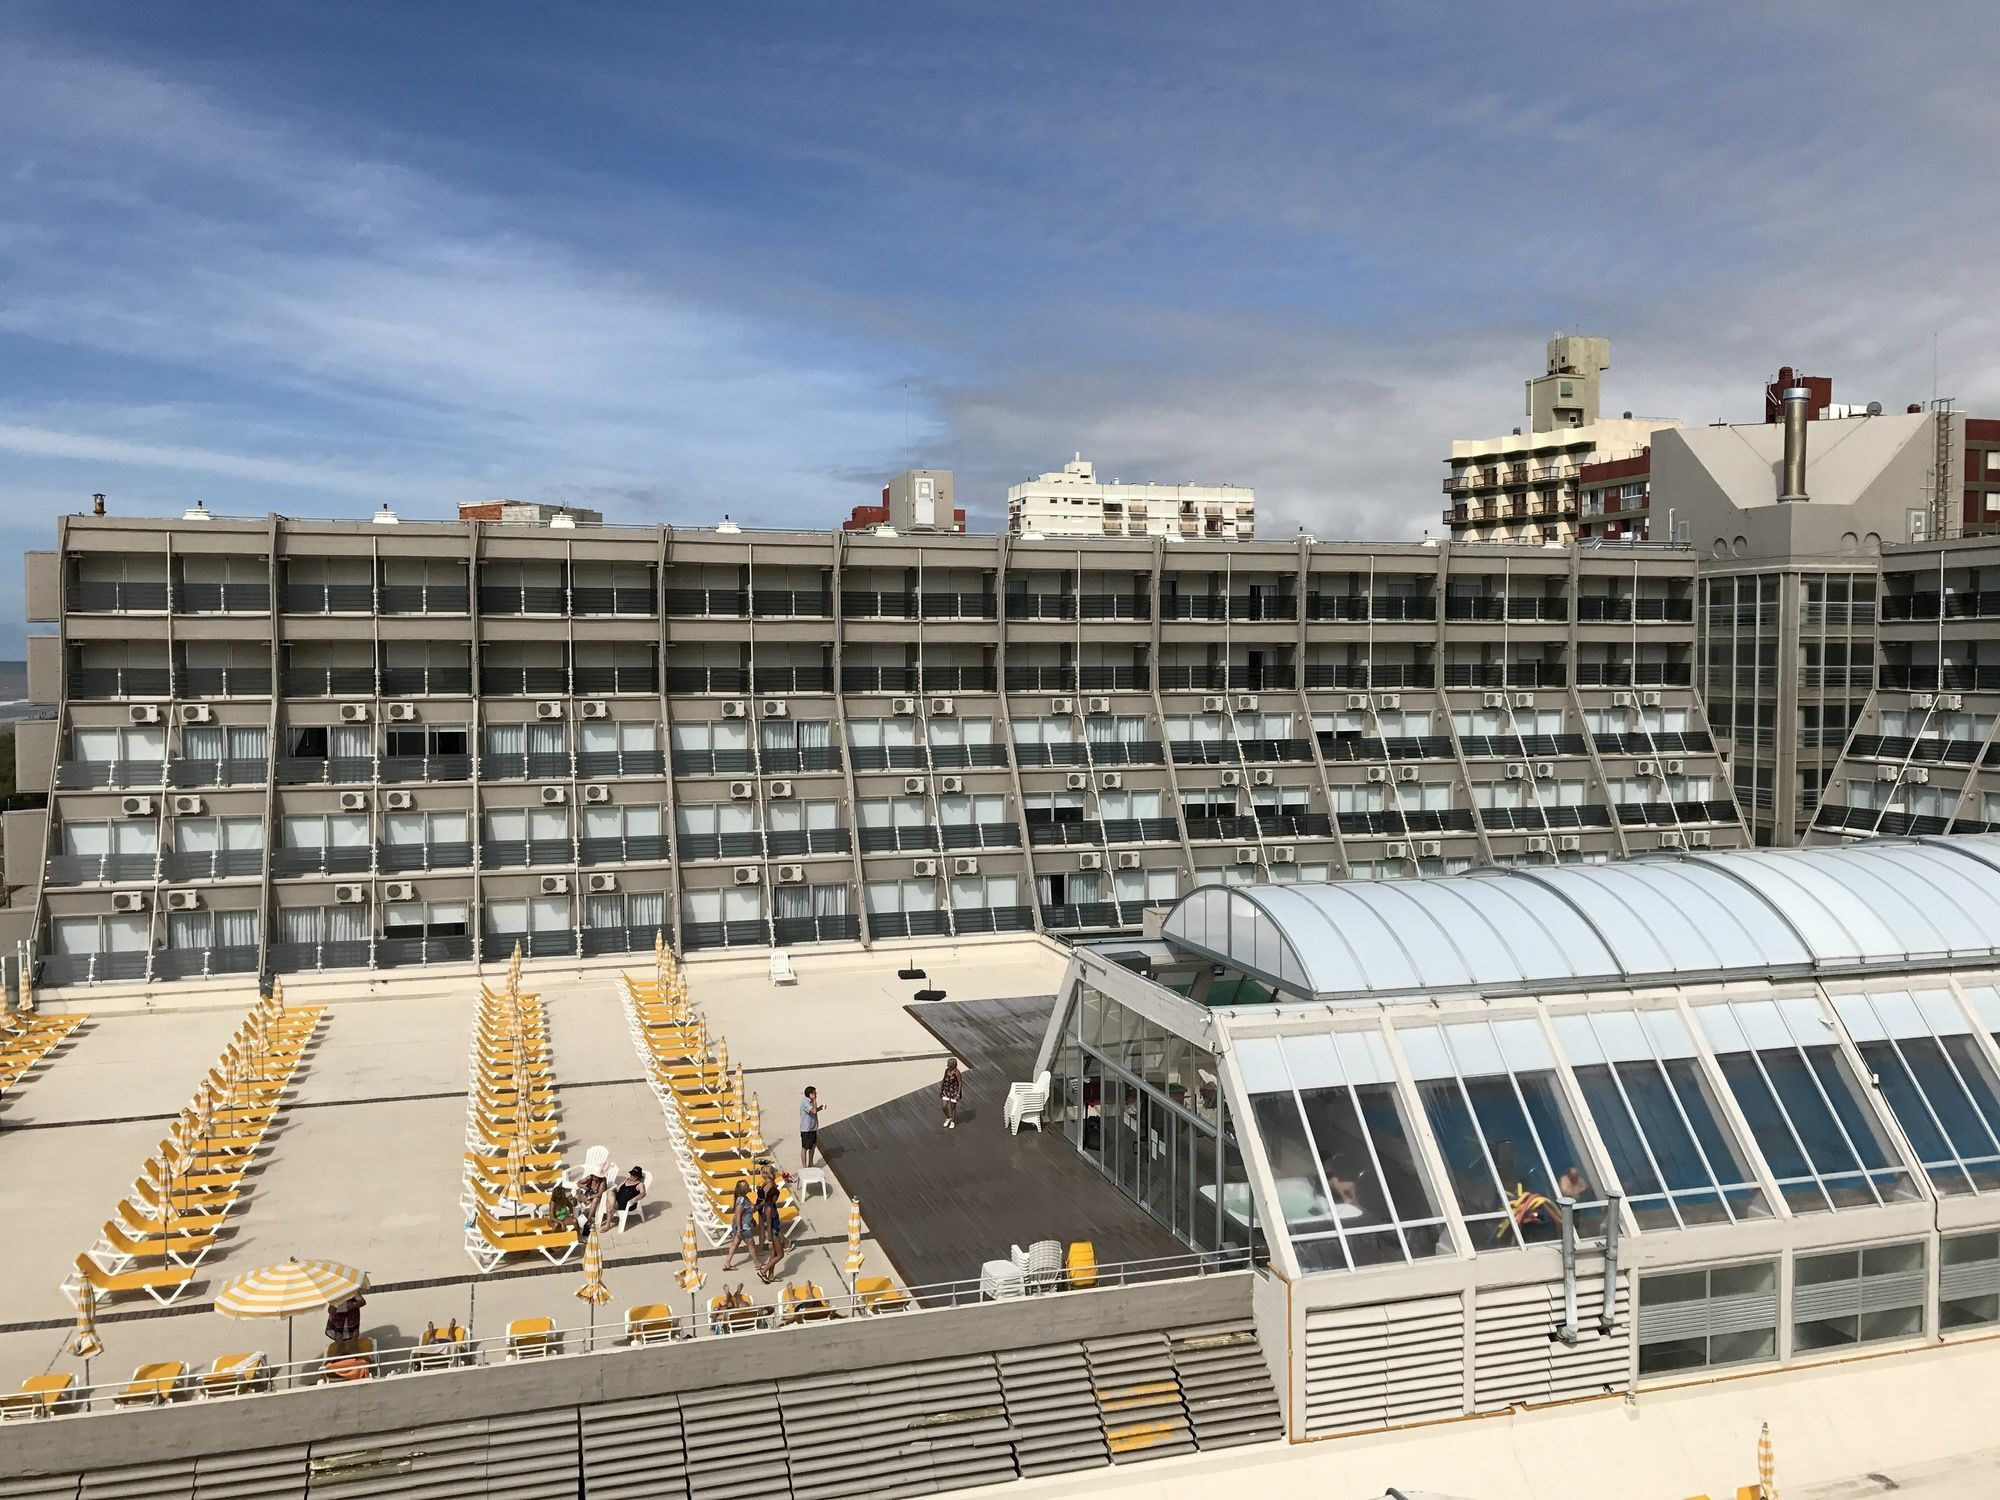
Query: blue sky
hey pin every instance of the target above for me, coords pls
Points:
(677, 261)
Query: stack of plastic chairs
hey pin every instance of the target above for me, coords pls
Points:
(513, 1133)
(173, 1216)
(710, 1117)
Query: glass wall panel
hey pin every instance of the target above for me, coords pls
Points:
(1862, 1296)
(1805, 1112)
(1968, 1280)
(1718, 1315)
(1508, 1142)
(1652, 1107)
(1920, 1049)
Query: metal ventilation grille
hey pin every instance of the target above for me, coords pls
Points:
(1225, 1386)
(424, 1463)
(533, 1456)
(45, 1487)
(1518, 1361)
(173, 1480)
(906, 1430)
(1384, 1364)
(1053, 1409)
(735, 1442)
(1138, 1397)
(265, 1474)
(632, 1450)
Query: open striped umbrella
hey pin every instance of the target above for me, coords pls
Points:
(287, 1289)
(855, 1257)
(1767, 1467)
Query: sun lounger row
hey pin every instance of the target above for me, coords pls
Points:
(27, 1041)
(181, 1201)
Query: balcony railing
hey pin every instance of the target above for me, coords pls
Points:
(328, 682)
(120, 682)
(235, 771)
(402, 859)
(714, 763)
(543, 766)
(222, 598)
(591, 764)
(426, 768)
(1935, 679)
(1029, 754)
(1232, 677)
(1690, 742)
(878, 679)
(223, 682)
(1064, 833)
(788, 931)
(1275, 750)
(1193, 607)
(1519, 608)
(1295, 825)
(1399, 822)
(793, 680)
(1204, 752)
(623, 850)
(957, 679)
(1328, 674)
(1932, 751)
(597, 940)
(1654, 814)
(594, 679)
(1521, 746)
(952, 606)
(887, 757)
(192, 963)
(1518, 674)
(1263, 607)
(791, 762)
(920, 839)
(498, 947)
(964, 757)
(967, 920)
(503, 854)
(89, 869)
(1141, 831)
(981, 836)
(1634, 674)
(1040, 679)
(782, 843)
(403, 952)
(866, 604)
(752, 932)
(1109, 607)
(1044, 606)
(811, 604)
(115, 597)
(707, 680)
(1928, 604)
(1537, 819)
(413, 682)
(533, 599)
(709, 602)
(1100, 679)
(593, 599)
(1370, 607)
(93, 968)
(1128, 752)
(425, 599)
(720, 845)
(508, 681)
(328, 598)
(1238, 829)
(349, 859)
(76, 774)
(296, 770)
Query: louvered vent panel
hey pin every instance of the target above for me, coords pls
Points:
(632, 1450)
(1053, 1410)
(1138, 1397)
(1384, 1364)
(171, 1480)
(1519, 1361)
(905, 1430)
(1598, 1362)
(1225, 1385)
(1426, 1348)
(40, 1487)
(419, 1463)
(261, 1474)
(735, 1443)
(533, 1456)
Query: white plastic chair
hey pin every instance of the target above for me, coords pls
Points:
(1025, 1103)
(781, 968)
(639, 1207)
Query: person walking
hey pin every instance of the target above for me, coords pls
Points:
(742, 1229)
(950, 1092)
(809, 1126)
(770, 1225)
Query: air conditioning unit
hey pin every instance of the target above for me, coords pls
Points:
(902, 706)
(1232, 778)
(1675, 767)
(1882, 773)
(1090, 860)
(775, 708)
(1078, 781)
(354, 713)
(196, 713)
(1211, 705)
(554, 796)
(555, 885)
(354, 802)
(914, 785)
(1378, 773)
(1097, 705)
(781, 789)
(746, 875)
(1263, 778)
(1396, 851)
(1538, 846)
(943, 706)
(398, 801)
(1128, 859)
(597, 791)
(1062, 705)
(1494, 700)
(187, 807)
(1621, 700)
(923, 867)
(1568, 843)
(1430, 849)
(144, 713)
(1701, 840)
(1357, 700)
(128, 900)
(1388, 700)
(1111, 781)
(1406, 773)
(1649, 700)
(1524, 700)
(350, 895)
(183, 900)
(1920, 775)
(733, 709)
(402, 713)
(1284, 854)
(548, 708)
(1246, 703)
(791, 874)
(1923, 700)
(597, 884)
(591, 708)
(1649, 768)
(742, 791)
(398, 890)
(1950, 701)
(965, 865)
(1544, 769)
(951, 783)
(1672, 841)
(1517, 771)
(1246, 856)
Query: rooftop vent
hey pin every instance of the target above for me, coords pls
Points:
(728, 527)
(386, 516)
(196, 512)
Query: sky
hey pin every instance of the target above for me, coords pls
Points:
(676, 261)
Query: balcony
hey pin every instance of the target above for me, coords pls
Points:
(791, 842)
(425, 599)
(1398, 823)
(523, 682)
(1933, 679)
(1358, 607)
(965, 757)
(223, 682)
(887, 757)
(957, 679)
(721, 845)
(1853, 678)
(76, 775)
(329, 599)
(222, 598)
(791, 762)
(863, 604)
(1691, 743)
(810, 604)
(1046, 606)
(1065, 833)
(235, 771)
(601, 940)
(323, 860)
(508, 854)
(1672, 814)
(1128, 752)
(1041, 679)
(1521, 746)
(328, 682)
(753, 932)
(1295, 825)
(92, 968)
(293, 770)
(1275, 750)
(1928, 604)
(1634, 674)
(399, 682)
(499, 947)
(715, 763)
(607, 600)
(1029, 754)
(192, 963)
(1193, 607)
(1919, 752)
(407, 859)
(968, 920)
(510, 599)
(1519, 674)
(1134, 679)
(790, 931)
(590, 680)
(1234, 830)
(1541, 819)
(426, 768)
(960, 836)
(102, 869)
(949, 606)
(1263, 607)
(119, 682)
(1615, 609)
(592, 764)
(692, 680)
(402, 952)
(709, 603)
(920, 839)
(793, 680)
(115, 598)
(1138, 607)
(623, 850)
(897, 924)
(1142, 831)
(1204, 752)
(551, 766)
(878, 679)
(1516, 608)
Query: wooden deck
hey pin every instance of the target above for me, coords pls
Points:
(941, 1202)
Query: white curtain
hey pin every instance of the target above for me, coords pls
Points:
(829, 900)
(249, 742)
(202, 742)
(236, 929)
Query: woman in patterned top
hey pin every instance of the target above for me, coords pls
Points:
(950, 1092)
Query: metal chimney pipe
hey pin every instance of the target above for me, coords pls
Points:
(1797, 399)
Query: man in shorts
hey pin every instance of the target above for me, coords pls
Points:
(809, 1127)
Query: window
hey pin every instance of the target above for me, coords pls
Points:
(1718, 1315)
(1968, 1280)
(536, 914)
(640, 909)
(425, 739)
(1920, 1049)
(194, 931)
(1857, 1297)
(339, 831)
(406, 829)
(1638, 1073)
(1795, 1089)
(115, 744)
(418, 919)
(1489, 1088)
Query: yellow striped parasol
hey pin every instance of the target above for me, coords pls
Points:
(287, 1289)
(593, 1290)
(691, 1277)
(855, 1257)
(84, 1342)
(757, 1146)
(517, 1171)
(1767, 1467)
(722, 1055)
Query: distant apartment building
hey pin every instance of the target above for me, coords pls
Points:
(1073, 502)
(285, 745)
(915, 500)
(1526, 486)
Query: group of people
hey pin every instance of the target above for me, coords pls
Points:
(755, 1226)
(599, 1195)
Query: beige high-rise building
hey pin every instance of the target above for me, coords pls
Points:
(1073, 501)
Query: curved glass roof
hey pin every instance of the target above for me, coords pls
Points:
(1670, 918)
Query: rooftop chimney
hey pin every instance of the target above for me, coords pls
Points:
(1798, 408)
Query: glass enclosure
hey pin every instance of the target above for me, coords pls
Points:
(1919, 1046)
